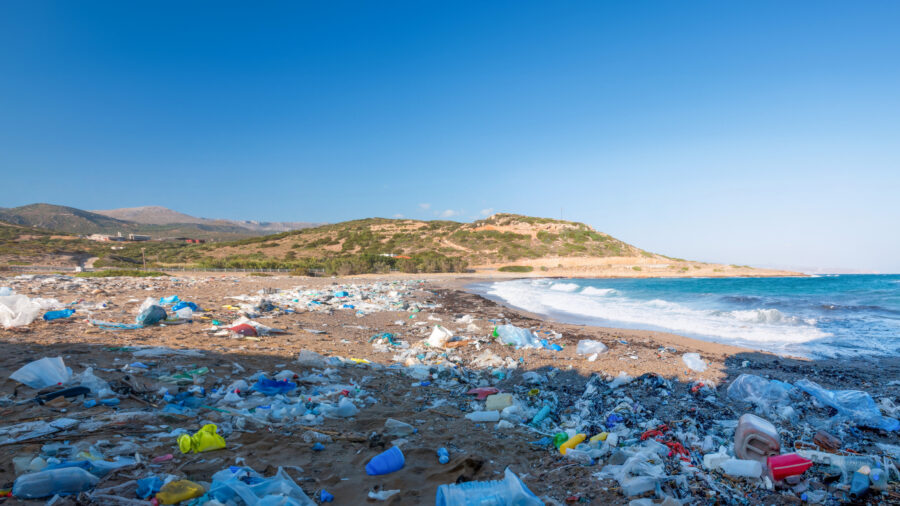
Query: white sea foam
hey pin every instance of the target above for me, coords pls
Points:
(768, 327)
(590, 290)
(564, 287)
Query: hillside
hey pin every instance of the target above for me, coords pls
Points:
(518, 244)
(76, 221)
(150, 215)
(64, 219)
(500, 238)
(157, 215)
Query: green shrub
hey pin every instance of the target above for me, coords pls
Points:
(516, 268)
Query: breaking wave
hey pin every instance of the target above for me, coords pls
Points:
(762, 328)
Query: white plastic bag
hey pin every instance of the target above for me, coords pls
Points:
(43, 373)
(439, 337)
(589, 347)
(17, 310)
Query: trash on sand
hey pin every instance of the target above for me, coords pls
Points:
(439, 337)
(386, 462)
(589, 347)
(694, 362)
(509, 490)
(43, 373)
(204, 440)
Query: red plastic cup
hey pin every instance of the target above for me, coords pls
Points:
(789, 464)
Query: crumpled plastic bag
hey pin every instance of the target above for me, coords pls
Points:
(43, 373)
(854, 405)
(229, 487)
(17, 311)
(519, 337)
(765, 394)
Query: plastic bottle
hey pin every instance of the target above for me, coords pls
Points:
(509, 490)
(572, 442)
(859, 485)
(742, 468)
(443, 455)
(879, 478)
(56, 315)
(67, 480)
(397, 428)
(541, 415)
(579, 456)
(755, 439)
(484, 416)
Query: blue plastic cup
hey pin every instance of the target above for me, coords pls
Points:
(386, 462)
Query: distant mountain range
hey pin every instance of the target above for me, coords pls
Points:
(158, 222)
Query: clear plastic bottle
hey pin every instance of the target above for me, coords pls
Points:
(509, 490)
(397, 428)
(742, 468)
(484, 416)
(66, 480)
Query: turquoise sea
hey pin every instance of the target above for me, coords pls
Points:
(818, 316)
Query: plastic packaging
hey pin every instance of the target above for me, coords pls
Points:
(859, 485)
(146, 487)
(397, 428)
(589, 347)
(520, 338)
(879, 478)
(712, 461)
(761, 392)
(204, 440)
(169, 300)
(185, 313)
(151, 316)
(439, 337)
(272, 387)
(67, 480)
(790, 464)
(572, 442)
(742, 468)
(324, 497)
(5, 291)
(540, 415)
(344, 409)
(443, 455)
(58, 315)
(17, 310)
(184, 304)
(175, 492)
(508, 491)
(386, 462)
(854, 405)
(498, 402)
(755, 438)
(694, 362)
(43, 373)
(483, 416)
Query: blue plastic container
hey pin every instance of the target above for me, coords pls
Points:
(57, 315)
(386, 462)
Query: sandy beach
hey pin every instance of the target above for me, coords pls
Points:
(434, 405)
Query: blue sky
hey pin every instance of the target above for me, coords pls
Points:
(763, 133)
